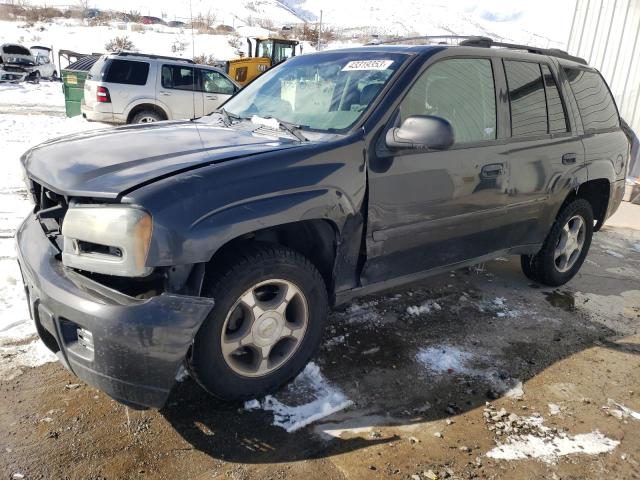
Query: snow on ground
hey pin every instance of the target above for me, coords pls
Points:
(45, 96)
(307, 399)
(550, 449)
(19, 132)
(448, 359)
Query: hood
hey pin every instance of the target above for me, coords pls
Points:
(106, 163)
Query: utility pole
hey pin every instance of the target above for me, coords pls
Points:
(319, 30)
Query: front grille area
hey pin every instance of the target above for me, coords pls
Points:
(50, 210)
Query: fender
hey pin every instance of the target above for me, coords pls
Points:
(144, 100)
(197, 212)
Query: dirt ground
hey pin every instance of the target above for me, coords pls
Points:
(575, 350)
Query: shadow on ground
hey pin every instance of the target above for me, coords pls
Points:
(510, 331)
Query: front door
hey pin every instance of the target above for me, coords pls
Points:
(429, 209)
(216, 89)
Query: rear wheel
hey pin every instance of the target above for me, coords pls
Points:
(146, 116)
(267, 321)
(565, 247)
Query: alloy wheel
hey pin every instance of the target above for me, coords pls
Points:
(264, 328)
(570, 243)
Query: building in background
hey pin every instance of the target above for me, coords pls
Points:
(607, 34)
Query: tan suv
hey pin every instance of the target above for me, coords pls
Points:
(137, 88)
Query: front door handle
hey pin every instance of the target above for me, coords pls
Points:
(166, 94)
(569, 158)
(212, 97)
(492, 170)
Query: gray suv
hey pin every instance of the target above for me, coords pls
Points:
(221, 243)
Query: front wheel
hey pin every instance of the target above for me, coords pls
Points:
(267, 321)
(565, 247)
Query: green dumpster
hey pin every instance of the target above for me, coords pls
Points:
(73, 78)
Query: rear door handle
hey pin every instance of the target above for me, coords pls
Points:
(569, 158)
(492, 170)
(212, 97)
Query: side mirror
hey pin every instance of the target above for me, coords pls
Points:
(421, 132)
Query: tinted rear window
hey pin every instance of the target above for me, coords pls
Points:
(128, 72)
(597, 108)
(528, 103)
(557, 117)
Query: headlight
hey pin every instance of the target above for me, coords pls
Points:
(109, 239)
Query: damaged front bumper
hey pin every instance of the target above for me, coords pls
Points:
(127, 347)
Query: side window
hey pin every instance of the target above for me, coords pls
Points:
(462, 92)
(597, 108)
(214, 82)
(127, 72)
(527, 100)
(557, 117)
(177, 77)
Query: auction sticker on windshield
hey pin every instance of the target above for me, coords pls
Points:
(367, 65)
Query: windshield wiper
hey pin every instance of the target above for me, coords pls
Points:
(292, 128)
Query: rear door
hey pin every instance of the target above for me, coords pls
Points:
(546, 156)
(430, 209)
(216, 89)
(179, 91)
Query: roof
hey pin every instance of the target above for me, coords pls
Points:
(83, 64)
(477, 48)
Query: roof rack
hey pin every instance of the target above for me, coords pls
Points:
(486, 42)
(442, 38)
(155, 57)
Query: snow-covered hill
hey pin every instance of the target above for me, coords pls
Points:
(544, 23)
(516, 21)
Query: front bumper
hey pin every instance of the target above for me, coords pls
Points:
(127, 347)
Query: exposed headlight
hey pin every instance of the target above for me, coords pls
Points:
(109, 239)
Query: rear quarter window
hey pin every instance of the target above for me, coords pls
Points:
(595, 103)
(126, 72)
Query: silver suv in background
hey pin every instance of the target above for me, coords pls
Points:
(138, 88)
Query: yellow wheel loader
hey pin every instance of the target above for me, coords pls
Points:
(268, 52)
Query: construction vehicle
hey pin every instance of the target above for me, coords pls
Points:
(268, 52)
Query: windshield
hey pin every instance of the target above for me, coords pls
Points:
(326, 92)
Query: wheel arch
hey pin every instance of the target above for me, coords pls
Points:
(133, 110)
(316, 239)
(597, 192)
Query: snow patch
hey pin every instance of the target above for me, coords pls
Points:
(182, 374)
(29, 355)
(549, 449)
(553, 409)
(636, 247)
(448, 359)
(424, 308)
(620, 411)
(307, 399)
(613, 253)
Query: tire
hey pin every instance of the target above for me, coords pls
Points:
(529, 267)
(36, 78)
(547, 266)
(244, 373)
(146, 116)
